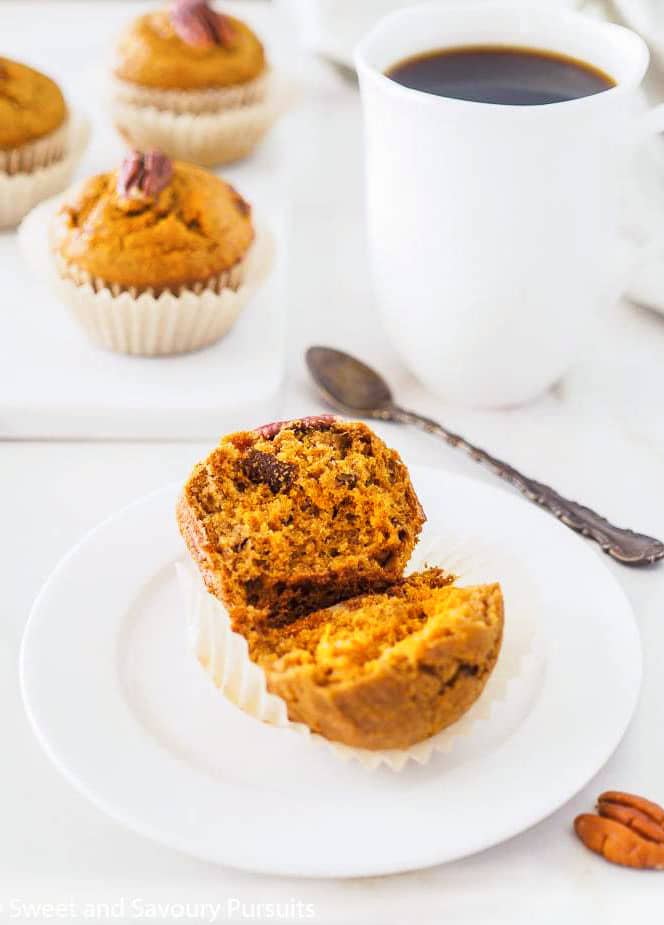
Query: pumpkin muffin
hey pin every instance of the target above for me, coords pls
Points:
(40, 142)
(154, 257)
(33, 119)
(298, 515)
(193, 82)
(386, 670)
(154, 225)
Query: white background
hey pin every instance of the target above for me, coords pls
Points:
(598, 436)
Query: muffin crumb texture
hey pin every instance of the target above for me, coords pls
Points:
(31, 105)
(193, 229)
(152, 53)
(285, 522)
(386, 670)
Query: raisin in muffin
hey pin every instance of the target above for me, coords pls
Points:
(292, 517)
(386, 670)
(193, 82)
(155, 257)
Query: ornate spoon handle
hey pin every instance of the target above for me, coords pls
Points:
(623, 545)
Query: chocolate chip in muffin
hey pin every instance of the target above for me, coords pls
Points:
(263, 468)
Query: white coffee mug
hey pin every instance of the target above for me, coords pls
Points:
(494, 230)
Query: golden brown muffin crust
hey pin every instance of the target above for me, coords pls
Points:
(195, 229)
(150, 53)
(387, 670)
(31, 105)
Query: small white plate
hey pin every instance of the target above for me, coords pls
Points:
(123, 710)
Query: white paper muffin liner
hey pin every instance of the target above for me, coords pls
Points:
(35, 154)
(224, 656)
(24, 183)
(206, 138)
(144, 324)
(212, 100)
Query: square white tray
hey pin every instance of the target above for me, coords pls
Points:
(53, 382)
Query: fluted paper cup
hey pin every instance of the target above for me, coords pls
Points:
(212, 100)
(185, 130)
(35, 172)
(146, 324)
(224, 656)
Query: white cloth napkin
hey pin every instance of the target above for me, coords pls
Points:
(645, 230)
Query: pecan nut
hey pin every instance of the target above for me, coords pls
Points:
(628, 830)
(299, 425)
(199, 25)
(630, 800)
(144, 175)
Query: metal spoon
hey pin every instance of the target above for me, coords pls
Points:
(355, 388)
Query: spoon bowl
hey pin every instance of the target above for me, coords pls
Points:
(349, 384)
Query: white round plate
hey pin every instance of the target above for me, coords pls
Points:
(123, 709)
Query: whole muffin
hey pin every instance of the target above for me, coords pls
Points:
(155, 257)
(154, 225)
(386, 670)
(193, 82)
(298, 515)
(33, 119)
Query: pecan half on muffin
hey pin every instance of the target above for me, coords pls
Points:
(296, 516)
(193, 82)
(154, 257)
(37, 150)
(386, 670)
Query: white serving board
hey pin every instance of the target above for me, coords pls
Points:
(53, 382)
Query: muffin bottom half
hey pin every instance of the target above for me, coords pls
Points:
(385, 671)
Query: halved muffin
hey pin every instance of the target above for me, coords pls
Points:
(386, 670)
(295, 516)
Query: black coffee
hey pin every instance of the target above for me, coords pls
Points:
(501, 74)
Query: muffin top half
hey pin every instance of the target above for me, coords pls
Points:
(292, 517)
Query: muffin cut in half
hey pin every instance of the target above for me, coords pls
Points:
(298, 515)
(386, 670)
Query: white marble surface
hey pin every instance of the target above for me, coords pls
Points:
(599, 436)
